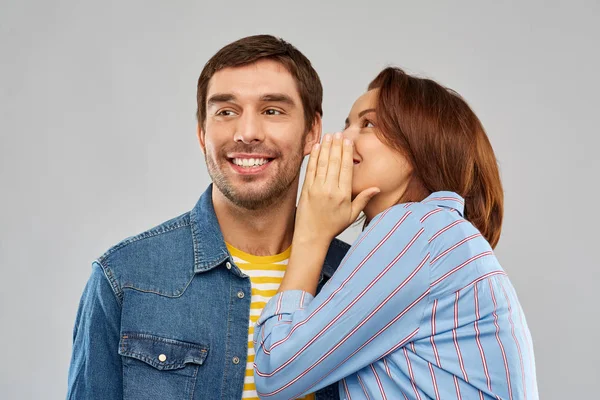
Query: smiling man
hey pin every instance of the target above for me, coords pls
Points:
(170, 313)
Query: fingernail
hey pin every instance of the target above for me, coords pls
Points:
(328, 138)
(338, 135)
(316, 146)
(347, 142)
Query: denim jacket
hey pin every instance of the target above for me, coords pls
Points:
(165, 315)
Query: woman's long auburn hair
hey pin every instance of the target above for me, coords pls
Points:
(445, 143)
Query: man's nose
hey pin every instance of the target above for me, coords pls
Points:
(249, 129)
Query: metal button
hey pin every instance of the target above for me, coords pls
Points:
(162, 358)
(228, 265)
(241, 294)
(236, 360)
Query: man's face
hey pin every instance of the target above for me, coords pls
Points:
(254, 137)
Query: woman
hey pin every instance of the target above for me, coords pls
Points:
(420, 307)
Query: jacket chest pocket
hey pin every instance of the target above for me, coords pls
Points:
(156, 367)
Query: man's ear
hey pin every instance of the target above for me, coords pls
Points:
(314, 134)
(200, 134)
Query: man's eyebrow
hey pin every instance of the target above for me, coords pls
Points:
(220, 98)
(277, 98)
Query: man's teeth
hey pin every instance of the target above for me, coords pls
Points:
(250, 162)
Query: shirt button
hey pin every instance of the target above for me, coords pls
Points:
(241, 294)
(228, 265)
(236, 360)
(162, 358)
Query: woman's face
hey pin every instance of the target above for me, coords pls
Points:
(375, 163)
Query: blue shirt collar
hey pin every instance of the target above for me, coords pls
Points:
(447, 200)
(209, 244)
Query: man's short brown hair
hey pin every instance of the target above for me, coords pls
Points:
(253, 48)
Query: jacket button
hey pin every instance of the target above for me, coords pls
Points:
(236, 360)
(228, 265)
(162, 358)
(241, 294)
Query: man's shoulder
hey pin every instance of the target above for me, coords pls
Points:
(164, 231)
(160, 258)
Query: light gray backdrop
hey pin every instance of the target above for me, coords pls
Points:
(98, 143)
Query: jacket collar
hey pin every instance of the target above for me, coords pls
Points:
(209, 245)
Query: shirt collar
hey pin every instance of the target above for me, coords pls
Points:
(448, 200)
(210, 249)
(209, 245)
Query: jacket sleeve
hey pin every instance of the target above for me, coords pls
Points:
(96, 371)
(372, 306)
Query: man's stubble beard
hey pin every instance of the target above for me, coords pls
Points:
(278, 186)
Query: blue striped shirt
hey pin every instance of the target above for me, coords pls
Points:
(419, 308)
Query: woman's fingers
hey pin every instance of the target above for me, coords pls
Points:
(335, 161)
(323, 162)
(311, 168)
(347, 167)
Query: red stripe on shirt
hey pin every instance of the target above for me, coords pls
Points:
(495, 314)
(410, 372)
(512, 328)
(460, 221)
(387, 367)
(453, 270)
(346, 388)
(430, 213)
(457, 388)
(455, 338)
(465, 240)
(433, 380)
(444, 199)
(363, 387)
(435, 351)
(383, 396)
(478, 340)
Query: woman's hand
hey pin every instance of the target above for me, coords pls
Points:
(326, 207)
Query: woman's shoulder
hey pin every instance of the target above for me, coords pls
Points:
(419, 215)
(442, 225)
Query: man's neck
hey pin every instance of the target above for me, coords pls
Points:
(262, 232)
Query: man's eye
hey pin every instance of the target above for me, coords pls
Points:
(225, 113)
(272, 111)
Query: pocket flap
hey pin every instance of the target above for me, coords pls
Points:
(161, 353)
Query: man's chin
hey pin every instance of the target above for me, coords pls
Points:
(253, 196)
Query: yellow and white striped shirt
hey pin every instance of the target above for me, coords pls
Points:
(266, 273)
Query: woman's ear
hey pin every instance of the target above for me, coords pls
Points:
(313, 135)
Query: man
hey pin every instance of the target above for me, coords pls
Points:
(169, 313)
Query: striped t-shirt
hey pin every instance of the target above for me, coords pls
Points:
(266, 273)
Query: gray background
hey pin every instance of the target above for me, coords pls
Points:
(98, 143)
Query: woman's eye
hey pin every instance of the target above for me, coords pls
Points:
(368, 124)
(272, 111)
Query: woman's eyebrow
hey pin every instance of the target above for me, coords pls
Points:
(360, 114)
(363, 112)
